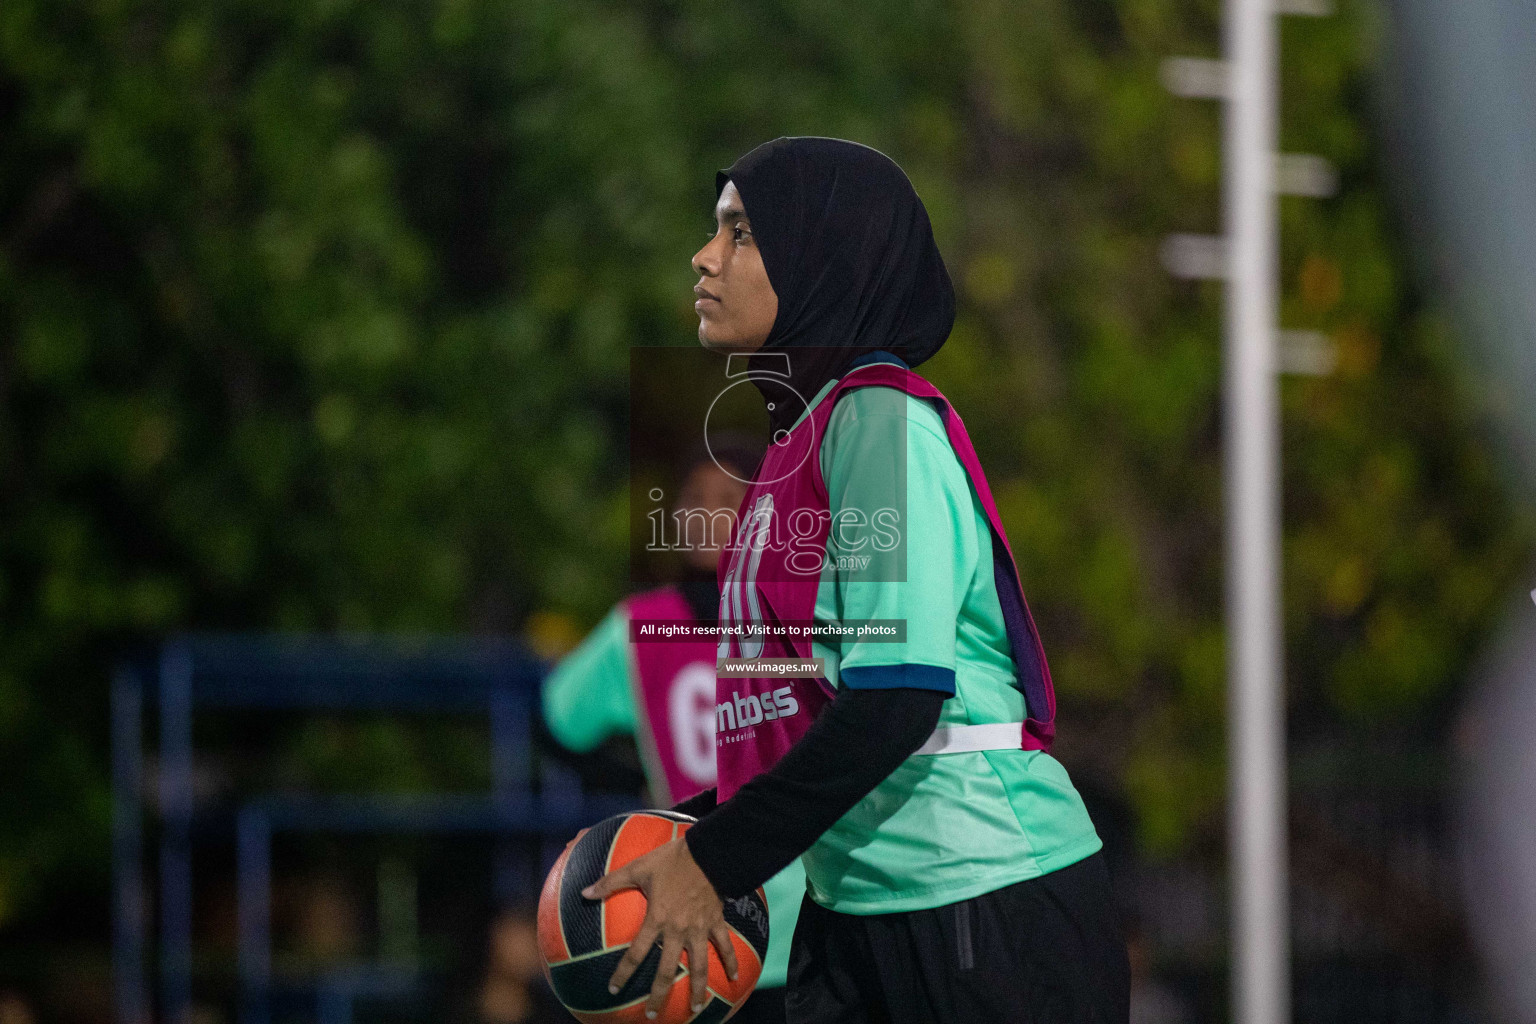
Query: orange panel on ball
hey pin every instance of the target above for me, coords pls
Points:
(551, 935)
(623, 913)
(641, 834)
(748, 969)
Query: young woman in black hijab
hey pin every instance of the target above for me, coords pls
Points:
(953, 873)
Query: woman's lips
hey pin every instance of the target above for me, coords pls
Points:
(704, 296)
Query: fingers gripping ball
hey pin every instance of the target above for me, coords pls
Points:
(582, 940)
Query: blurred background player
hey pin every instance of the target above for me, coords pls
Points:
(502, 980)
(663, 692)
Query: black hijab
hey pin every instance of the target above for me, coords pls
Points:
(850, 253)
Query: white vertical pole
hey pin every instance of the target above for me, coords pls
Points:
(1256, 716)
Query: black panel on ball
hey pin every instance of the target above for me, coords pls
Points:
(717, 1010)
(582, 985)
(581, 919)
(749, 916)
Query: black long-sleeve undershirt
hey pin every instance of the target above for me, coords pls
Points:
(699, 804)
(855, 743)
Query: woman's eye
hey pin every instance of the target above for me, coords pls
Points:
(740, 234)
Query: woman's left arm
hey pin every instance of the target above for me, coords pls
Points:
(853, 746)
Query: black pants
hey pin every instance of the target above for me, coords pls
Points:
(1045, 951)
(764, 1006)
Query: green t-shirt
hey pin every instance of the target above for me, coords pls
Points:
(949, 827)
(589, 697)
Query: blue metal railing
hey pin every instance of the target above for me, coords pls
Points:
(498, 679)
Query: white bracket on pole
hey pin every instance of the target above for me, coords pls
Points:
(1195, 257)
(1303, 174)
(1195, 78)
(1305, 8)
(1307, 353)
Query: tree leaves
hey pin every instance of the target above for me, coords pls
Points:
(316, 317)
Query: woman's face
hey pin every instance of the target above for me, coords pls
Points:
(736, 304)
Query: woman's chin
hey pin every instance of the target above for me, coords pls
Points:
(713, 341)
(709, 340)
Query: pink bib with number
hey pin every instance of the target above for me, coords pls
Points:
(675, 695)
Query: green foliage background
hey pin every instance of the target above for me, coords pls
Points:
(314, 315)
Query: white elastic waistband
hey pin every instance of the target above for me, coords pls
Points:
(964, 739)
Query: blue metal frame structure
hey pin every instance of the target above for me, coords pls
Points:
(549, 816)
(333, 1004)
(129, 910)
(494, 677)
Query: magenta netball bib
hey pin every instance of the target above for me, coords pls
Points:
(770, 583)
(674, 684)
